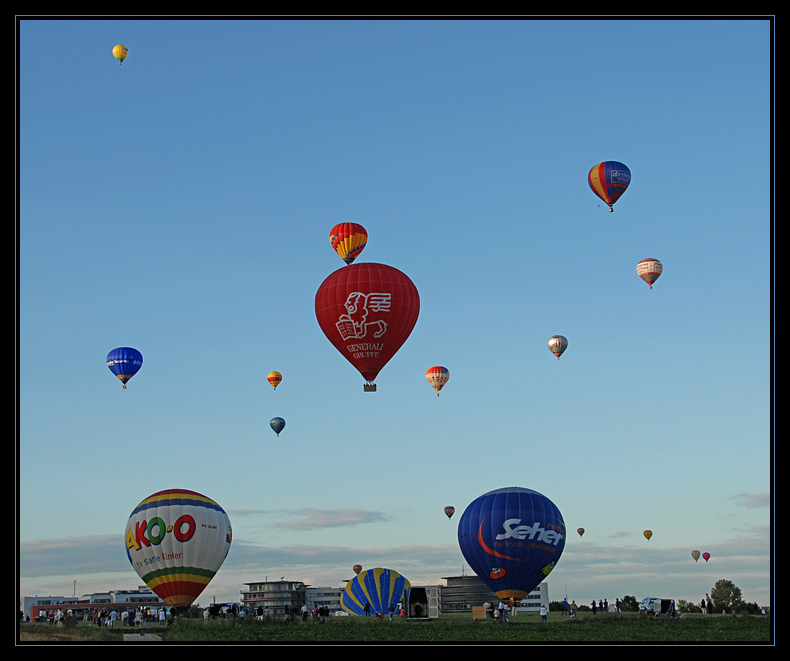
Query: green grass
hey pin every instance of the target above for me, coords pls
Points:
(609, 628)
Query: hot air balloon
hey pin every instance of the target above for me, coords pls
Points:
(177, 540)
(277, 424)
(648, 534)
(512, 538)
(367, 311)
(695, 555)
(557, 345)
(649, 270)
(706, 556)
(274, 378)
(437, 377)
(124, 362)
(357, 568)
(580, 531)
(608, 180)
(449, 511)
(377, 587)
(348, 240)
(120, 53)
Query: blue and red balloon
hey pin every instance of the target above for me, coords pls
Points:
(609, 180)
(512, 538)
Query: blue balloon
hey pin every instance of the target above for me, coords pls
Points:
(376, 587)
(278, 424)
(124, 362)
(512, 538)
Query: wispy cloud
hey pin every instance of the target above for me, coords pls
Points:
(752, 500)
(313, 518)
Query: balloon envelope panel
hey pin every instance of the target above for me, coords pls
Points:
(378, 587)
(177, 540)
(512, 538)
(367, 311)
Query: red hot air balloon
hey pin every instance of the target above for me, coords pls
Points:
(449, 511)
(367, 311)
(706, 556)
(357, 568)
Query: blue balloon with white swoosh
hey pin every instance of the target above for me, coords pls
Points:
(512, 538)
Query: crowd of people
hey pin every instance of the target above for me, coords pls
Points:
(105, 617)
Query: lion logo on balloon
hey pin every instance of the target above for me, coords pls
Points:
(354, 324)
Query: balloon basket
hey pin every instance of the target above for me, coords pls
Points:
(369, 387)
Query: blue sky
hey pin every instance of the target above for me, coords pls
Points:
(181, 203)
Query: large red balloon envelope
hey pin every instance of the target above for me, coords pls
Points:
(367, 311)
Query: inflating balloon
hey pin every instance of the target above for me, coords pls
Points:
(376, 587)
(649, 270)
(609, 180)
(274, 378)
(437, 377)
(367, 311)
(648, 534)
(348, 240)
(557, 345)
(177, 540)
(277, 424)
(449, 511)
(124, 362)
(695, 555)
(512, 538)
(120, 53)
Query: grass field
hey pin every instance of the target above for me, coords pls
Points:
(600, 629)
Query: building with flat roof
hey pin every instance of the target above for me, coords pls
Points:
(275, 595)
(462, 593)
(85, 604)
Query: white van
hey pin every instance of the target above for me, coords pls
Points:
(655, 605)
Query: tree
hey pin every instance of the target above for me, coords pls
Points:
(726, 596)
(629, 604)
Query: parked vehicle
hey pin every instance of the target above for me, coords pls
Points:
(657, 606)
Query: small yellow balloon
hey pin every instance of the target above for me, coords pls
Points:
(120, 53)
(274, 378)
(648, 534)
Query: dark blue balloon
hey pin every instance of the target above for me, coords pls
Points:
(512, 538)
(124, 362)
(277, 424)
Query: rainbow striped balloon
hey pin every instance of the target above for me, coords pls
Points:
(177, 540)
